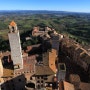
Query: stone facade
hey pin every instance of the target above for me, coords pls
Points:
(75, 52)
(16, 52)
(16, 83)
(1, 68)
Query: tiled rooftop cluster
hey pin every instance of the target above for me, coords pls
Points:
(41, 69)
(75, 52)
(40, 74)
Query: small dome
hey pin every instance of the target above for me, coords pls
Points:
(13, 24)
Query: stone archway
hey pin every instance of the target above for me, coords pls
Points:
(30, 85)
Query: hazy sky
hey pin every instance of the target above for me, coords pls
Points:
(60, 5)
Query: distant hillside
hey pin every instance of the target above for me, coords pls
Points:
(76, 25)
(41, 12)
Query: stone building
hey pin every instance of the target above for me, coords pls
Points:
(44, 76)
(25, 74)
(78, 84)
(37, 32)
(55, 41)
(28, 67)
(16, 51)
(52, 60)
(16, 83)
(1, 69)
(46, 70)
(75, 53)
(18, 68)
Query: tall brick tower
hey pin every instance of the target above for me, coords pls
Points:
(15, 45)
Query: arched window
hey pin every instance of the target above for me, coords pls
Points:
(38, 81)
(41, 81)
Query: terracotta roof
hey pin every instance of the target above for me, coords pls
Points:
(52, 59)
(43, 70)
(13, 24)
(7, 72)
(28, 65)
(74, 78)
(1, 80)
(45, 58)
(8, 69)
(50, 78)
(84, 86)
(29, 48)
(66, 86)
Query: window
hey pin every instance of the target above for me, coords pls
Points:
(30, 78)
(41, 77)
(38, 81)
(38, 77)
(41, 81)
(62, 67)
(45, 78)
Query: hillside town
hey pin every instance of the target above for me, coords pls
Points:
(56, 63)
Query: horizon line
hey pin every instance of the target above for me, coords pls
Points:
(45, 10)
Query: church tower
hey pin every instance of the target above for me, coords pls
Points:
(15, 45)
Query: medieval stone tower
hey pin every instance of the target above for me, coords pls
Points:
(15, 45)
